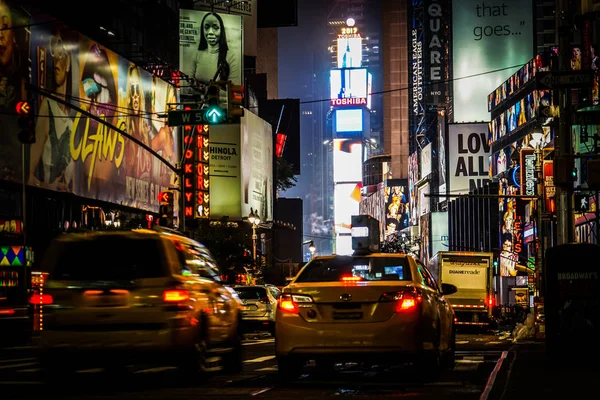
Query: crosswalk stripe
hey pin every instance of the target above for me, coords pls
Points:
(267, 369)
(16, 360)
(158, 369)
(263, 341)
(27, 364)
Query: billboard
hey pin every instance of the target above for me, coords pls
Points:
(347, 160)
(426, 160)
(396, 206)
(241, 169)
(441, 153)
(14, 70)
(85, 156)
(210, 46)
(424, 200)
(487, 38)
(439, 232)
(348, 86)
(369, 89)
(256, 166)
(349, 121)
(345, 206)
(349, 51)
(469, 152)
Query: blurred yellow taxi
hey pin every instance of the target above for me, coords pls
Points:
(384, 308)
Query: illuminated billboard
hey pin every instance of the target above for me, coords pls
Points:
(345, 206)
(349, 52)
(347, 160)
(487, 38)
(369, 89)
(349, 121)
(348, 87)
(73, 153)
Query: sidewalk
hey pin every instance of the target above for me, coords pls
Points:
(527, 373)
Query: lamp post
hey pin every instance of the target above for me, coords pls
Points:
(255, 221)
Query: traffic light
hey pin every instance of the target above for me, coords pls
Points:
(213, 113)
(581, 203)
(235, 101)
(165, 217)
(565, 172)
(26, 122)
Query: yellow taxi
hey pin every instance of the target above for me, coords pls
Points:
(379, 307)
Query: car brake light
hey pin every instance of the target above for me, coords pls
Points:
(490, 301)
(405, 300)
(288, 303)
(41, 299)
(175, 295)
(351, 278)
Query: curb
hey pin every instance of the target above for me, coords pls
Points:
(498, 381)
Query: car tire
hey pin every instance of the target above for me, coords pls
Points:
(289, 369)
(233, 361)
(450, 357)
(272, 329)
(194, 362)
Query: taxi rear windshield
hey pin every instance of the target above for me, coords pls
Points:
(110, 258)
(363, 268)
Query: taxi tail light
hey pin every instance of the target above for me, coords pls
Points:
(406, 300)
(288, 303)
(41, 299)
(172, 296)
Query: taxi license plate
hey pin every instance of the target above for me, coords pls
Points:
(245, 308)
(347, 315)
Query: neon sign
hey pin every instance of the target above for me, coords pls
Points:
(353, 101)
(202, 206)
(188, 172)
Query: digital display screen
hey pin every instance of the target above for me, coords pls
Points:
(345, 205)
(349, 52)
(347, 160)
(348, 120)
(348, 83)
(394, 270)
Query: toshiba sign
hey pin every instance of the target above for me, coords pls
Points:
(349, 102)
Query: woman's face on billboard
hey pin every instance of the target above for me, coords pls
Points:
(7, 35)
(212, 30)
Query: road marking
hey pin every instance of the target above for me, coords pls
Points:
(157, 369)
(492, 379)
(267, 369)
(263, 341)
(462, 342)
(16, 348)
(495, 343)
(260, 359)
(90, 371)
(17, 360)
(469, 361)
(466, 367)
(18, 365)
(30, 370)
(261, 391)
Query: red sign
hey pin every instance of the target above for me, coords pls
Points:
(202, 205)
(23, 108)
(549, 189)
(188, 175)
(165, 197)
(280, 144)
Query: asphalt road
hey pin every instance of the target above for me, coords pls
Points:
(477, 355)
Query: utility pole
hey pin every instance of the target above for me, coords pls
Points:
(564, 145)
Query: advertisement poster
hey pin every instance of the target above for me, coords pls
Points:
(14, 66)
(347, 160)
(396, 207)
(424, 201)
(225, 175)
(469, 153)
(81, 155)
(257, 166)
(442, 140)
(425, 234)
(210, 46)
(487, 36)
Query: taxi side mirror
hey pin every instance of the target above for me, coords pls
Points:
(448, 288)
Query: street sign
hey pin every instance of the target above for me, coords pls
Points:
(23, 108)
(185, 117)
(565, 79)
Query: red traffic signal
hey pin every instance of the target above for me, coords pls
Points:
(23, 108)
(165, 197)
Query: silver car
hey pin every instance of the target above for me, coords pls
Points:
(112, 298)
(259, 307)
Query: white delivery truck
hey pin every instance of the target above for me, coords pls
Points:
(471, 273)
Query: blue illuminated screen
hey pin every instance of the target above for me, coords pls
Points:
(394, 270)
(349, 120)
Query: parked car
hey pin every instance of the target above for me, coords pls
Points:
(259, 306)
(119, 297)
(383, 308)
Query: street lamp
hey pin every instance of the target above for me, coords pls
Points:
(312, 248)
(255, 221)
